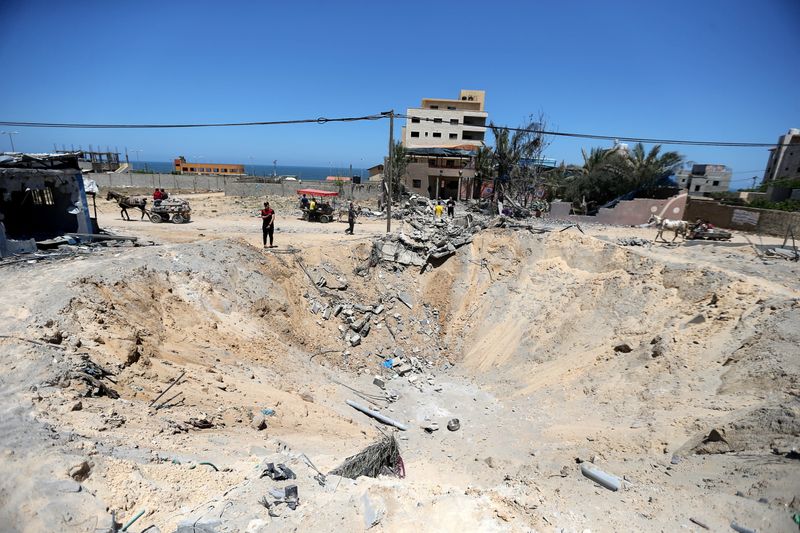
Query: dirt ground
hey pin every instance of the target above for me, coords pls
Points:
(672, 367)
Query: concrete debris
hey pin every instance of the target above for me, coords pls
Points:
(379, 382)
(634, 241)
(406, 299)
(355, 340)
(259, 422)
(279, 472)
(785, 253)
(373, 511)
(80, 471)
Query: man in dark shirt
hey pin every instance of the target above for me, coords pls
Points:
(267, 223)
(451, 207)
(304, 202)
(351, 218)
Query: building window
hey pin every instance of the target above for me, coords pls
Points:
(450, 163)
(216, 170)
(453, 108)
(716, 183)
(426, 134)
(415, 120)
(437, 121)
(696, 188)
(437, 134)
(454, 121)
(43, 196)
(415, 134)
(192, 169)
(434, 107)
(454, 135)
(225, 170)
(417, 184)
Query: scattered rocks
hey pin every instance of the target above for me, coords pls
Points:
(406, 299)
(80, 471)
(623, 348)
(77, 406)
(259, 422)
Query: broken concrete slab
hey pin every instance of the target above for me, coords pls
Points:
(406, 298)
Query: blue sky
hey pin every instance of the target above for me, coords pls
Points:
(709, 70)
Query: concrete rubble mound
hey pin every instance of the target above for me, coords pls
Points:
(430, 239)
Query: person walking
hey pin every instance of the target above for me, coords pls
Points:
(351, 218)
(267, 224)
(451, 207)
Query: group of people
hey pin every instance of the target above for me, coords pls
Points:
(438, 209)
(268, 219)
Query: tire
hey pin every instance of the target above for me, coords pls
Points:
(177, 218)
(324, 218)
(155, 218)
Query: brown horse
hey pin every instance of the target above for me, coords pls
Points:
(124, 202)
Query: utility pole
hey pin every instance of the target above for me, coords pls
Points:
(388, 173)
(10, 138)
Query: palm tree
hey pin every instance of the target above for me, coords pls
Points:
(399, 164)
(645, 169)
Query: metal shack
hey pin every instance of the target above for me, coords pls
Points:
(41, 197)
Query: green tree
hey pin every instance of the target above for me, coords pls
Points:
(513, 155)
(399, 164)
(644, 170)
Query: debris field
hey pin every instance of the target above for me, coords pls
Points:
(465, 374)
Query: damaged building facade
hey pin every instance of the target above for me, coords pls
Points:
(41, 197)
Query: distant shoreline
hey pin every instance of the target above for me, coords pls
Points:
(306, 173)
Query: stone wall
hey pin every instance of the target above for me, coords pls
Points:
(768, 221)
(627, 212)
(364, 191)
(193, 182)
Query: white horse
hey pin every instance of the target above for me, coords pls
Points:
(678, 226)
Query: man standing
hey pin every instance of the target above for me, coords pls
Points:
(304, 202)
(451, 207)
(438, 209)
(351, 218)
(267, 223)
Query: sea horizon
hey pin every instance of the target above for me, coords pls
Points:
(303, 172)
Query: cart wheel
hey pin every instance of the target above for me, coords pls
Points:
(324, 218)
(155, 218)
(177, 218)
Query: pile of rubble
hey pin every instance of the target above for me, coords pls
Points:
(431, 238)
(634, 241)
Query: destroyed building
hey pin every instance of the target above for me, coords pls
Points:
(41, 197)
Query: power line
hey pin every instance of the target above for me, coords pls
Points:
(319, 120)
(608, 137)
(324, 120)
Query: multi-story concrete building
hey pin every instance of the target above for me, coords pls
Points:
(225, 169)
(441, 137)
(784, 159)
(700, 180)
(442, 122)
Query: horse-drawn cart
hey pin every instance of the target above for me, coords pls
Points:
(171, 209)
